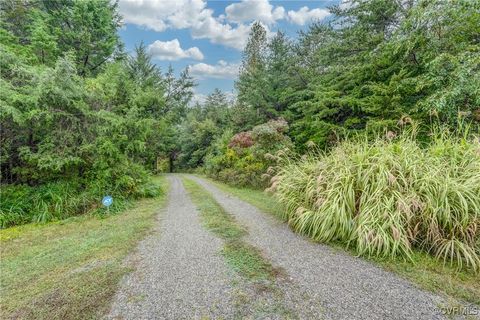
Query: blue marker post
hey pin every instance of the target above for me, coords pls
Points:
(107, 202)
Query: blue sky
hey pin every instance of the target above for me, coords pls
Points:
(208, 36)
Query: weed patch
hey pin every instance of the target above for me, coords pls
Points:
(248, 261)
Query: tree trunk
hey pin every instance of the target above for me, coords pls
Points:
(170, 163)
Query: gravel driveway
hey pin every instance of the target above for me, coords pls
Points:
(179, 273)
(349, 288)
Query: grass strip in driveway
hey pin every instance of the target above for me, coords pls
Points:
(240, 256)
(425, 271)
(261, 293)
(70, 269)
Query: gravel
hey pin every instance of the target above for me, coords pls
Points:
(347, 287)
(179, 273)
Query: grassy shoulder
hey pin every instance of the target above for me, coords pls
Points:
(70, 269)
(427, 272)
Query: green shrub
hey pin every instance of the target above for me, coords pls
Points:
(244, 158)
(385, 197)
(22, 204)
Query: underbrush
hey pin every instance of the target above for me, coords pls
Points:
(22, 204)
(387, 197)
(242, 176)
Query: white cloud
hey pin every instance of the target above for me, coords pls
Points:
(221, 70)
(151, 14)
(160, 15)
(198, 98)
(219, 33)
(305, 15)
(230, 29)
(232, 97)
(345, 4)
(201, 97)
(249, 10)
(171, 50)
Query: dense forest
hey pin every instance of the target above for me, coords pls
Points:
(377, 66)
(81, 118)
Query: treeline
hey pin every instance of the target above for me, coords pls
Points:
(375, 66)
(365, 128)
(80, 118)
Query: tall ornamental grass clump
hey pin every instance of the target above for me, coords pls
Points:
(386, 197)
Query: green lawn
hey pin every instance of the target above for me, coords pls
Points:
(70, 269)
(427, 272)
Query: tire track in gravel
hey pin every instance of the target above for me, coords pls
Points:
(262, 291)
(179, 273)
(348, 287)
